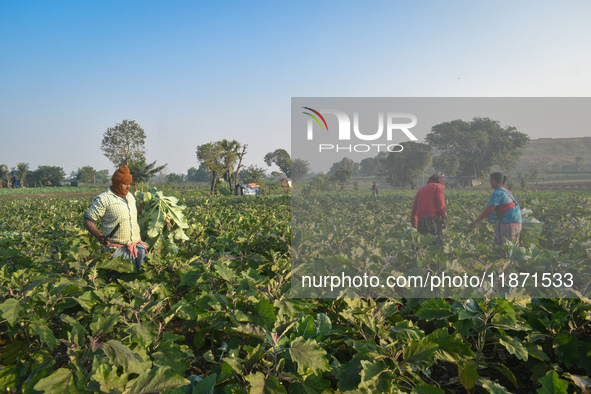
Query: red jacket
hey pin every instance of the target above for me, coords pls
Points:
(429, 201)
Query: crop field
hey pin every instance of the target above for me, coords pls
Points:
(217, 313)
(359, 234)
(37, 192)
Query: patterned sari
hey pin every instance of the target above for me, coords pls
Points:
(508, 222)
(431, 225)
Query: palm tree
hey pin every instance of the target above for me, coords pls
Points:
(23, 170)
(3, 174)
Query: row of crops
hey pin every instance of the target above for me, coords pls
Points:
(355, 235)
(216, 315)
(47, 190)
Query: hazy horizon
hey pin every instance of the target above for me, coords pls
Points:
(193, 72)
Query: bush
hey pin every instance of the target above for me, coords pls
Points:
(224, 190)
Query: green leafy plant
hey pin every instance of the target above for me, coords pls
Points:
(161, 220)
(217, 315)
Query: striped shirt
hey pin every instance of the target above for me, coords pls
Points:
(111, 209)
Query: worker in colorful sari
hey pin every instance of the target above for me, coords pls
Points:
(502, 211)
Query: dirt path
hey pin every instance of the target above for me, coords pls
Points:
(68, 194)
(555, 187)
(561, 187)
(584, 187)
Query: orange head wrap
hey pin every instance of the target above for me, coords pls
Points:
(122, 175)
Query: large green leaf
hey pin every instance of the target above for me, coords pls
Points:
(122, 356)
(308, 355)
(45, 334)
(109, 380)
(39, 372)
(156, 380)
(370, 374)
(62, 381)
(103, 324)
(306, 328)
(572, 352)
(405, 330)
(324, 325)
(253, 356)
(264, 315)
(205, 386)
(11, 310)
(514, 346)
(468, 375)
(225, 272)
(463, 327)
(434, 308)
(77, 335)
(505, 317)
(156, 224)
(313, 384)
(142, 334)
(552, 384)
(176, 214)
(506, 372)
(424, 388)
(492, 387)
(86, 300)
(451, 347)
(261, 385)
(183, 310)
(172, 355)
(536, 351)
(118, 264)
(420, 353)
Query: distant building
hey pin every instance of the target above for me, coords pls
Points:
(286, 182)
(463, 181)
(247, 189)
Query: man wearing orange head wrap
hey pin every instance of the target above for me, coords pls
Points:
(115, 207)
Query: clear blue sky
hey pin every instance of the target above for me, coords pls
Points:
(191, 72)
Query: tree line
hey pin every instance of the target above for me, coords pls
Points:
(457, 149)
(124, 144)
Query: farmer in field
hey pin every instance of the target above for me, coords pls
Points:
(117, 213)
(428, 211)
(502, 211)
(374, 188)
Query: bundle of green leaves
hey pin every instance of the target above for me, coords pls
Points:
(162, 221)
(531, 224)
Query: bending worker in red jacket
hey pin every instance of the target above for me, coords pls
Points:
(428, 211)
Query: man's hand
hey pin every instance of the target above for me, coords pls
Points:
(95, 232)
(103, 239)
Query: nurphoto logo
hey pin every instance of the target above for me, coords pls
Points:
(392, 121)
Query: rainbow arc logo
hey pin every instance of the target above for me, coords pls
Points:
(315, 118)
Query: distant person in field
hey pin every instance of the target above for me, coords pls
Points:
(117, 206)
(502, 211)
(428, 214)
(374, 188)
